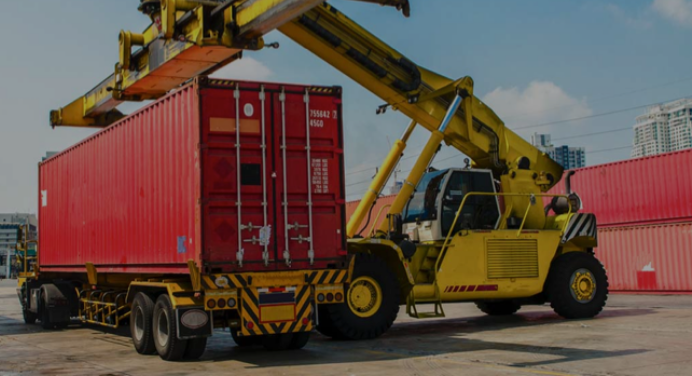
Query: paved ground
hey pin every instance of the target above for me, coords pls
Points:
(636, 335)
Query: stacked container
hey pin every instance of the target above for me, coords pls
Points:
(644, 211)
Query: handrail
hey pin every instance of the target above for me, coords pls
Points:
(530, 196)
(377, 219)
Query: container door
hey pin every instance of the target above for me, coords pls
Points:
(309, 169)
(236, 178)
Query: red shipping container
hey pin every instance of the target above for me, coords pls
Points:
(641, 191)
(160, 187)
(652, 258)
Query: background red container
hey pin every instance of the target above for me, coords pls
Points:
(379, 207)
(160, 187)
(647, 190)
(653, 258)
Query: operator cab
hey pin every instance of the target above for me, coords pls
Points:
(430, 212)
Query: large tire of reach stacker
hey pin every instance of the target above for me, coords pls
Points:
(372, 302)
(166, 340)
(577, 285)
(500, 308)
(142, 318)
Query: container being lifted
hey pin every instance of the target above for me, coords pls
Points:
(219, 205)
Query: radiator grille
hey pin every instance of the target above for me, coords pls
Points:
(512, 258)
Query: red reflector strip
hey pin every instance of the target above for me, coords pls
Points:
(277, 289)
(471, 288)
(487, 288)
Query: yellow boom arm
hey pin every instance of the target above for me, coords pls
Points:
(188, 38)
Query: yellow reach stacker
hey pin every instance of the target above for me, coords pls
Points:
(486, 232)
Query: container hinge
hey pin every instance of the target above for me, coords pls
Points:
(287, 258)
(239, 255)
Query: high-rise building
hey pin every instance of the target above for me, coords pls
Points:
(9, 230)
(665, 127)
(567, 156)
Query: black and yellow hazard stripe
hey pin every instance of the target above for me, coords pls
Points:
(321, 89)
(326, 277)
(212, 282)
(250, 313)
(218, 82)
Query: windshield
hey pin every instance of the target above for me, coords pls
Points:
(422, 206)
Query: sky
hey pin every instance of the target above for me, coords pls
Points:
(539, 64)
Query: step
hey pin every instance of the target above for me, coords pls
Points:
(424, 291)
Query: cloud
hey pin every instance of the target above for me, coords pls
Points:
(246, 68)
(622, 16)
(679, 11)
(540, 102)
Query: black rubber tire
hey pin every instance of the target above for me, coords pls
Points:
(277, 342)
(143, 305)
(326, 324)
(29, 317)
(346, 324)
(502, 308)
(299, 340)
(45, 315)
(170, 347)
(195, 348)
(558, 288)
(246, 341)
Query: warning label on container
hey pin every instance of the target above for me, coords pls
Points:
(320, 176)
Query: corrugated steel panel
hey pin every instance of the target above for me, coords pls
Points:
(379, 205)
(647, 258)
(159, 187)
(641, 191)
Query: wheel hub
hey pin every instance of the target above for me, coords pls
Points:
(583, 286)
(364, 296)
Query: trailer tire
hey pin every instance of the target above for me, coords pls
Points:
(45, 315)
(299, 340)
(577, 285)
(502, 308)
(247, 341)
(29, 317)
(141, 325)
(195, 348)
(372, 301)
(168, 345)
(277, 342)
(326, 324)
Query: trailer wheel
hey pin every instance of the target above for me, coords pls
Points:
(166, 340)
(277, 342)
(503, 308)
(326, 325)
(246, 341)
(299, 340)
(195, 348)
(45, 315)
(142, 313)
(372, 301)
(577, 286)
(29, 317)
